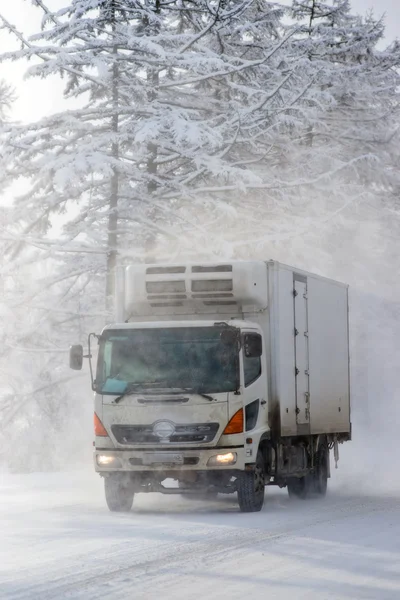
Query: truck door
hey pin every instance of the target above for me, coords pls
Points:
(255, 384)
(301, 355)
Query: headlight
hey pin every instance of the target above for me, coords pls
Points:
(104, 460)
(219, 460)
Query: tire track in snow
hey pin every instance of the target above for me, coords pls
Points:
(117, 567)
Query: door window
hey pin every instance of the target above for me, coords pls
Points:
(252, 369)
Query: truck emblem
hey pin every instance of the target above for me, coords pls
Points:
(163, 429)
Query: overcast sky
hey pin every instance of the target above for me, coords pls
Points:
(37, 98)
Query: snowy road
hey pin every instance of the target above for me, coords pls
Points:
(58, 541)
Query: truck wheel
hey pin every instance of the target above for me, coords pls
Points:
(299, 487)
(119, 498)
(251, 487)
(321, 472)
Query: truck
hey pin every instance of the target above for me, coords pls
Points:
(220, 377)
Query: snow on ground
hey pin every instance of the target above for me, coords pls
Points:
(58, 541)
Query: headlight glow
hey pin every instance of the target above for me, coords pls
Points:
(222, 459)
(104, 461)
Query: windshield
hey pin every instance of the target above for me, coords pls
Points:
(189, 358)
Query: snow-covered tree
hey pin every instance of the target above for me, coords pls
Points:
(215, 110)
(328, 141)
(6, 99)
(178, 106)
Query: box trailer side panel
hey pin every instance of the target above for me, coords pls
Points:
(328, 338)
(282, 356)
(309, 353)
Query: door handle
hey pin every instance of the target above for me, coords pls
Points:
(263, 402)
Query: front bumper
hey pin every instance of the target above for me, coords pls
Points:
(193, 460)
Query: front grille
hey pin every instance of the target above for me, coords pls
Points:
(199, 433)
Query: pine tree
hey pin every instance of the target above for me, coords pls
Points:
(330, 136)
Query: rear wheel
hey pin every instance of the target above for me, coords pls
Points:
(321, 471)
(251, 487)
(314, 484)
(299, 487)
(119, 497)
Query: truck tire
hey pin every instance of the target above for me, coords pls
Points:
(321, 471)
(251, 487)
(119, 497)
(299, 487)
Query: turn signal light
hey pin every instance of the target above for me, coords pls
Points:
(235, 425)
(99, 428)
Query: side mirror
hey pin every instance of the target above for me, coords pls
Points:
(76, 357)
(252, 344)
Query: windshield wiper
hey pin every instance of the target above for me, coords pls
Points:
(199, 393)
(134, 386)
(131, 389)
(207, 396)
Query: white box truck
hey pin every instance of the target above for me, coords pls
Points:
(225, 377)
